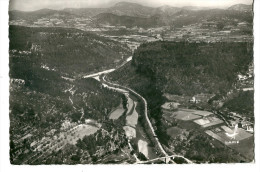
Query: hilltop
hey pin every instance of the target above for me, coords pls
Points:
(241, 7)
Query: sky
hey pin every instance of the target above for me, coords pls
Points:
(31, 5)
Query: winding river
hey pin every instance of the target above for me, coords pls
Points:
(132, 128)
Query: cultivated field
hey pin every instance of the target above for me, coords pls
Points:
(245, 147)
(208, 121)
(243, 142)
(67, 137)
(184, 115)
(242, 134)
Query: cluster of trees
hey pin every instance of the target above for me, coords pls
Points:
(102, 141)
(96, 100)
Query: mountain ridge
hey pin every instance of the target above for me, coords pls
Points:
(241, 7)
(137, 14)
(120, 4)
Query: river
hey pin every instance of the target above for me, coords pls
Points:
(133, 129)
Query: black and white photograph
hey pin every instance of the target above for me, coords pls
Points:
(132, 82)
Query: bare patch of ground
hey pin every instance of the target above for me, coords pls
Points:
(132, 119)
(143, 148)
(130, 132)
(117, 112)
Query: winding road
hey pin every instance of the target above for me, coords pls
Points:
(145, 112)
(103, 79)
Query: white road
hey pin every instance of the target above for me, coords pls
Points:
(96, 75)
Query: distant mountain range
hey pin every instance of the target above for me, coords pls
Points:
(132, 14)
(241, 7)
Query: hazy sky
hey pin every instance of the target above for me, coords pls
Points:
(30, 5)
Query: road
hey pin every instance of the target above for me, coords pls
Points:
(162, 158)
(145, 113)
(103, 79)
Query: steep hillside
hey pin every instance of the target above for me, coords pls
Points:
(48, 93)
(167, 10)
(85, 12)
(34, 15)
(195, 8)
(176, 17)
(69, 51)
(189, 68)
(131, 9)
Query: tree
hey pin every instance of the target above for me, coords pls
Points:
(141, 156)
(75, 158)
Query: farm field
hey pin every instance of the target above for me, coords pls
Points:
(242, 134)
(245, 147)
(207, 122)
(242, 143)
(221, 136)
(199, 112)
(79, 132)
(68, 137)
(181, 115)
(186, 114)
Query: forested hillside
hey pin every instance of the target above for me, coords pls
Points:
(69, 51)
(46, 88)
(188, 68)
(182, 68)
